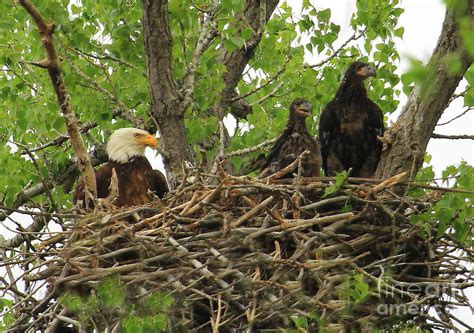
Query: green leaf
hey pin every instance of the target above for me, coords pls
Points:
(159, 302)
(324, 15)
(237, 41)
(110, 293)
(132, 325)
(5, 303)
(300, 321)
(399, 32)
(247, 33)
(334, 188)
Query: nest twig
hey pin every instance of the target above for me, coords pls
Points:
(248, 254)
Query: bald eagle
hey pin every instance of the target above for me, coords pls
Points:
(292, 142)
(349, 126)
(135, 176)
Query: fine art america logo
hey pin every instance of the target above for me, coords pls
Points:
(422, 292)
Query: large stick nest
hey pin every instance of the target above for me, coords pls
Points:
(248, 254)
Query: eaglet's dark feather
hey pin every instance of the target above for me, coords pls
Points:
(349, 126)
(292, 142)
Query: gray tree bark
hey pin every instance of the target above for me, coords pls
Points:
(165, 102)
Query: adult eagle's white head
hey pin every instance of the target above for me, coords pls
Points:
(126, 143)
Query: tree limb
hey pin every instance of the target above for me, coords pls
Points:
(63, 177)
(53, 64)
(457, 117)
(206, 36)
(105, 56)
(256, 13)
(452, 137)
(249, 150)
(355, 36)
(270, 80)
(426, 104)
(60, 139)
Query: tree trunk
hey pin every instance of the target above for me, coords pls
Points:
(410, 135)
(165, 105)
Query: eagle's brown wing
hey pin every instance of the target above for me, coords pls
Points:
(287, 149)
(160, 186)
(102, 178)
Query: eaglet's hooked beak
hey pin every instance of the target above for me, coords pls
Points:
(304, 109)
(366, 71)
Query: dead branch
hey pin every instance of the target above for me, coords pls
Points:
(457, 117)
(452, 137)
(249, 150)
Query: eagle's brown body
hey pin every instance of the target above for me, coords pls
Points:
(349, 127)
(135, 178)
(136, 181)
(293, 141)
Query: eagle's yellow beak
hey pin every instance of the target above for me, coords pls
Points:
(148, 140)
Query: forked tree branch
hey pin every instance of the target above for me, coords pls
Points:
(268, 81)
(52, 63)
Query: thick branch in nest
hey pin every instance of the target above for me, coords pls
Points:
(238, 244)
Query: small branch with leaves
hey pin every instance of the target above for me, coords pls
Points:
(355, 36)
(126, 113)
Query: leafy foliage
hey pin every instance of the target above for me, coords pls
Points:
(332, 189)
(104, 64)
(355, 288)
(103, 57)
(453, 211)
(6, 315)
(304, 323)
(112, 301)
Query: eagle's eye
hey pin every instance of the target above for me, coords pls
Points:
(137, 135)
